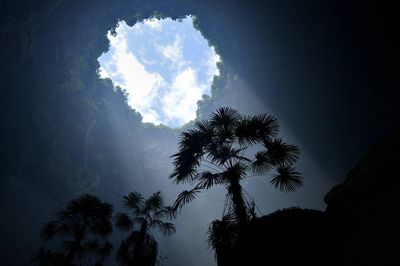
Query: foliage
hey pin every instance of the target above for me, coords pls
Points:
(83, 226)
(215, 152)
(140, 248)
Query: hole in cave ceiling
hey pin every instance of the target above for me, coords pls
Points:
(164, 65)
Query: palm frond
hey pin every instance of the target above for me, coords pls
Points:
(167, 211)
(170, 212)
(159, 214)
(225, 134)
(268, 125)
(254, 129)
(123, 221)
(134, 200)
(208, 179)
(224, 117)
(185, 197)
(204, 128)
(287, 179)
(187, 159)
(281, 153)
(167, 228)
(223, 153)
(191, 139)
(154, 202)
(261, 164)
(155, 223)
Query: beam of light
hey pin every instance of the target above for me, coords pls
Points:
(164, 65)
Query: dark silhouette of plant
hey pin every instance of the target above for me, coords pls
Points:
(216, 152)
(222, 236)
(140, 248)
(84, 227)
(45, 257)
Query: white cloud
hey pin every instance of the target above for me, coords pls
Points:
(165, 85)
(142, 86)
(212, 69)
(180, 102)
(103, 73)
(173, 51)
(154, 24)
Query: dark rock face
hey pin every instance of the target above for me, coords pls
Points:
(288, 237)
(366, 207)
(361, 226)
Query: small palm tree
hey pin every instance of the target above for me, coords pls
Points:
(140, 248)
(216, 152)
(85, 225)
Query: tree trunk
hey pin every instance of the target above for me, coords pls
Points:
(238, 201)
(139, 244)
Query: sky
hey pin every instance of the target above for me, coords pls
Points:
(164, 65)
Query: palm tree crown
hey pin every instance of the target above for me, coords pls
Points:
(216, 152)
(140, 248)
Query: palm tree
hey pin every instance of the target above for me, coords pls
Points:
(140, 248)
(85, 225)
(216, 152)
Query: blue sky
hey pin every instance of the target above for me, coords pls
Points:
(165, 66)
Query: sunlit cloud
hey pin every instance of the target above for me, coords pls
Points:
(165, 66)
(153, 23)
(180, 102)
(173, 52)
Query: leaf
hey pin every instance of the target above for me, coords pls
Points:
(281, 153)
(224, 117)
(261, 165)
(154, 202)
(134, 200)
(254, 129)
(223, 153)
(208, 179)
(170, 212)
(287, 179)
(187, 159)
(167, 228)
(167, 211)
(204, 128)
(185, 197)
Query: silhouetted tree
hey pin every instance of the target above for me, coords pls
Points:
(215, 152)
(140, 248)
(84, 227)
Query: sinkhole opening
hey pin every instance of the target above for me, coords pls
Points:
(165, 66)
